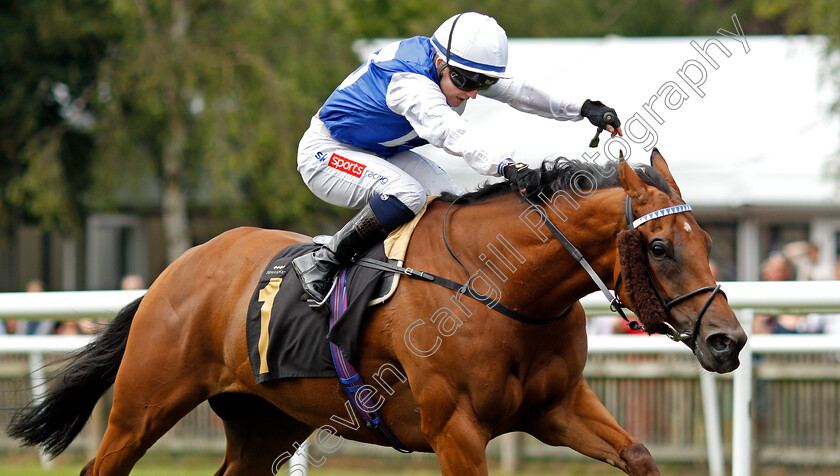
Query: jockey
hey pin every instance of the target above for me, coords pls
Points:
(357, 150)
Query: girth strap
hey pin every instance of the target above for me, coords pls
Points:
(460, 288)
(350, 379)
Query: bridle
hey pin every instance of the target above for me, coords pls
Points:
(670, 331)
(615, 303)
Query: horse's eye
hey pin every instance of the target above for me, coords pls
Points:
(658, 250)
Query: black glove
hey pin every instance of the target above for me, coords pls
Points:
(521, 177)
(599, 114)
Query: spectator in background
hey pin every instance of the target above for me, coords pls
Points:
(603, 325)
(35, 286)
(128, 282)
(68, 328)
(825, 323)
(837, 269)
(132, 281)
(776, 268)
(89, 326)
(805, 259)
(42, 327)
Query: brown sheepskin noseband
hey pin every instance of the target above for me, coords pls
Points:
(637, 282)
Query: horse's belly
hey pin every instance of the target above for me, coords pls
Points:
(322, 404)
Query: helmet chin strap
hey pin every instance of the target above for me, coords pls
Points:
(440, 66)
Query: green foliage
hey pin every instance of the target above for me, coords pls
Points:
(821, 17)
(587, 18)
(218, 94)
(49, 52)
(105, 103)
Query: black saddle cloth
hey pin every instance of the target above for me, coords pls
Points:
(298, 336)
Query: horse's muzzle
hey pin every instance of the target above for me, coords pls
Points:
(722, 350)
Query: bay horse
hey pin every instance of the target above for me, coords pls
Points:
(449, 388)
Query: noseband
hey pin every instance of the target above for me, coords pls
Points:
(615, 303)
(667, 305)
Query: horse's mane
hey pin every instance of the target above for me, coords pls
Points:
(566, 174)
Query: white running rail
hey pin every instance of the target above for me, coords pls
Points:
(745, 297)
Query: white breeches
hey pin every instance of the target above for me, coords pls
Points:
(349, 177)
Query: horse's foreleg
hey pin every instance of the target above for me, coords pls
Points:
(581, 422)
(458, 443)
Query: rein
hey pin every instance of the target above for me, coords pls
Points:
(458, 287)
(615, 303)
(465, 289)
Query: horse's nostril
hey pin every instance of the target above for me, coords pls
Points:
(720, 342)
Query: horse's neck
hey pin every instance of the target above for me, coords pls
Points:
(593, 228)
(509, 251)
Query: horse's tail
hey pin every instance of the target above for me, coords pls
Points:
(54, 421)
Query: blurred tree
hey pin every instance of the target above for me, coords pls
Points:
(587, 18)
(209, 100)
(398, 19)
(49, 54)
(816, 17)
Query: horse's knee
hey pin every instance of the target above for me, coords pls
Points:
(638, 460)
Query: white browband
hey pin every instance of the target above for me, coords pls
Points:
(661, 213)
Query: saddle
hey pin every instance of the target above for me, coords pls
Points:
(288, 339)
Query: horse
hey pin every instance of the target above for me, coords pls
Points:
(454, 373)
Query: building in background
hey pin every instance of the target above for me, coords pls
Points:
(744, 123)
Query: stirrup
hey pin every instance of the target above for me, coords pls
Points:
(315, 304)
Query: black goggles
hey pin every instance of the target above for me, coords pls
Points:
(469, 81)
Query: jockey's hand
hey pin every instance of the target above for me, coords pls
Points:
(601, 116)
(521, 177)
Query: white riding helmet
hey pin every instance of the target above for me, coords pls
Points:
(477, 42)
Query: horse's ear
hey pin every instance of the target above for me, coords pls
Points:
(659, 164)
(633, 185)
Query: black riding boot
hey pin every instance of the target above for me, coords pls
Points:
(317, 269)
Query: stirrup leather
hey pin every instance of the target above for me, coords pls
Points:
(317, 270)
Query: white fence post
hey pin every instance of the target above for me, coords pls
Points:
(511, 451)
(38, 381)
(711, 417)
(299, 462)
(742, 404)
